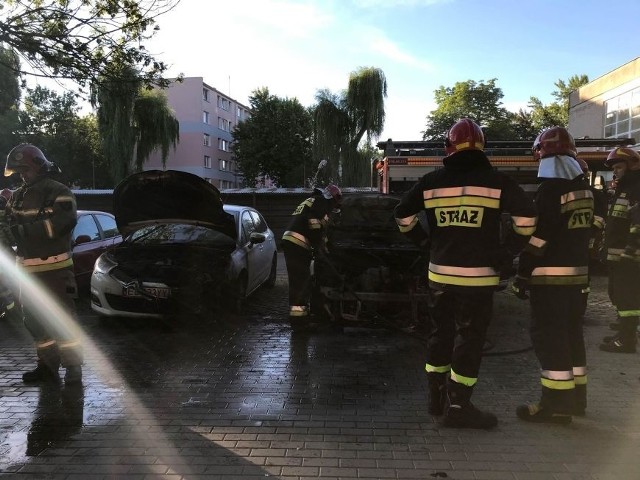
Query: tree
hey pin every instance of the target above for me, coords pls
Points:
(79, 39)
(555, 113)
(274, 141)
(50, 121)
(9, 100)
(342, 120)
(479, 101)
(132, 121)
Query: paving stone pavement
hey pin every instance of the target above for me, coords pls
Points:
(242, 397)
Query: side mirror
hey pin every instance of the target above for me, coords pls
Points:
(256, 237)
(82, 239)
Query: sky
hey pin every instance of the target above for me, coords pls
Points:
(297, 47)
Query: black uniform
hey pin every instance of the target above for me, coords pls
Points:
(622, 254)
(303, 239)
(556, 260)
(464, 202)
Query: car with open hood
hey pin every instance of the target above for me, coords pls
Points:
(183, 251)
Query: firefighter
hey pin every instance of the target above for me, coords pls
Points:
(622, 253)
(303, 241)
(463, 204)
(42, 214)
(554, 268)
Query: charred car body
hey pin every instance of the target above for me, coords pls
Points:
(372, 271)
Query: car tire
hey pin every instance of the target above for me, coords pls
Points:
(271, 281)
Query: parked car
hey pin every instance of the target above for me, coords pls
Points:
(182, 251)
(94, 233)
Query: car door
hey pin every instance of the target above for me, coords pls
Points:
(266, 248)
(110, 234)
(86, 242)
(252, 250)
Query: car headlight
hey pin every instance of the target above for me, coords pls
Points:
(104, 264)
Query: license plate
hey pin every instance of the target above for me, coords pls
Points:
(156, 292)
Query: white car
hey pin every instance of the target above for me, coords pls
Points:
(183, 252)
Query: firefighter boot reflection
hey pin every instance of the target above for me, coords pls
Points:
(58, 416)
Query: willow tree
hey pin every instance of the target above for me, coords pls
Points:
(342, 121)
(132, 121)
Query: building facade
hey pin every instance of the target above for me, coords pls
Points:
(609, 106)
(207, 117)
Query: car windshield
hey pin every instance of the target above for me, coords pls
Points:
(177, 233)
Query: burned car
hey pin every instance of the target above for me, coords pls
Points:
(181, 251)
(372, 272)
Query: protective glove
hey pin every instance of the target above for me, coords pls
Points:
(520, 286)
(629, 254)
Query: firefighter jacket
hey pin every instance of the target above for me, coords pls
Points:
(307, 223)
(620, 230)
(558, 252)
(42, 215)
(464, 202)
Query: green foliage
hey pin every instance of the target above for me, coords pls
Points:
(555, 113)
(155, 126)
(274, 141)
(79, 39)
(115, 96)
(342, 120)
(50, 121)
(479, 101)
(9, 99)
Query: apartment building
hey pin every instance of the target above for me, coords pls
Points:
(207, 117)
(609, 106)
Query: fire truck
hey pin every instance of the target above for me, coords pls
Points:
(405, 162)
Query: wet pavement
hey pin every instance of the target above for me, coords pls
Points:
(241, 396)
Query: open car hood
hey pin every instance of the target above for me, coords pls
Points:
(169, 196)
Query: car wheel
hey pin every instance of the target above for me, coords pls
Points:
(239, 293)
(271, 281)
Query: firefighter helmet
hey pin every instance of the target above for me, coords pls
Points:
(623, 154)
(332, 192)
(28, 157)
(554, 141)
(465, 134)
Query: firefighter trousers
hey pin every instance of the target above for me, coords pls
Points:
(56, 342)
(558, 341)
(298, 260)
(624, 293)
(459, 322)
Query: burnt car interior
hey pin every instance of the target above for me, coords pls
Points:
(372, 272)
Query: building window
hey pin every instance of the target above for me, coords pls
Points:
(239, 113)
(209, 180)
(205, 117)
(207, 161)
(223, 145)
(224, 184)
(225, 165)
(206, 140)
(622, 116)
(205, 94)
(223, 103)
(224, 124)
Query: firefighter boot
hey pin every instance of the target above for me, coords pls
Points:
(437, 392)
(555, 406)
(42, 373)
(626, 339)
(461, 413)
(48, 364)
